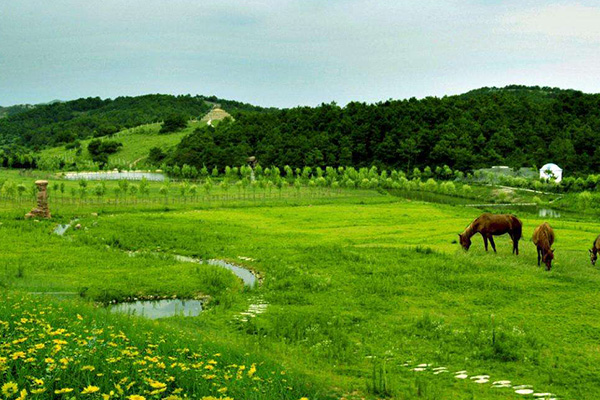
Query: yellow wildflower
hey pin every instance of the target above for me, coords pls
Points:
(22, 395)
(18, 354)
(90, 389)
(136, 397)
(9, 388)
(252, 370)
(119, 389)
(157, 384)
(88, 368)
(63, 390)
(38, 391)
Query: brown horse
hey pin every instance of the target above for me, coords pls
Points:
(594, 250)
(543, 237)
(488, 225)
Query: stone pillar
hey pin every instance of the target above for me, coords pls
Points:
(42, 210)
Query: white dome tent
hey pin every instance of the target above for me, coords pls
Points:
(550, 171)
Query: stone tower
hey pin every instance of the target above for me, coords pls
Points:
(42, 210)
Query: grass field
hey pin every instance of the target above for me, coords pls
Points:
(360, 289)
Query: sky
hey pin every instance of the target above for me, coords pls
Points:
(285, 53)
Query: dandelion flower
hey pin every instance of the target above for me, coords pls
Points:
(90, 389)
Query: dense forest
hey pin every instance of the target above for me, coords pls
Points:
(64, 122)
(515, 126)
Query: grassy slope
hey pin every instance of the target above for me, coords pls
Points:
(137, 142)
(346, 282)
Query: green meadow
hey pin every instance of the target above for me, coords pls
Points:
(362, 287)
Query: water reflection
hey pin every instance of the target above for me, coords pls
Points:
(244, 274)
(154, 309)
(548, 213)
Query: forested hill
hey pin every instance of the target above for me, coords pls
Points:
(64, 122)
(516, 126)
(16, 109)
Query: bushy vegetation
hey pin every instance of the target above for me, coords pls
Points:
(173, 123)
(100, 149)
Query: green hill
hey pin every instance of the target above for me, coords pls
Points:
(64, 122)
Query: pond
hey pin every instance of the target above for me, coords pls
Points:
(155, 309)
(525, 208)
(115, 176)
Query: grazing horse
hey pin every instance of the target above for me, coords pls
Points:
(594, 250)
(488, 225)
(543, 237)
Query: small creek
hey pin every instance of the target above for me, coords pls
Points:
(244, 274)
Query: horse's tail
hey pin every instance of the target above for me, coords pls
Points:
(517, 228)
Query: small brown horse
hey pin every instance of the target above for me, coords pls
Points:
(488, 225)
(594, 250)
(543, 238)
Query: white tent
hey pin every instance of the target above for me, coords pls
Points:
(551, 171)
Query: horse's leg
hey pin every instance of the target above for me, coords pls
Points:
(492, 243)
(515, 246)
(539, 256)
(485, 242)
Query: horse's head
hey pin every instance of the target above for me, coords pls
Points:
(548, 257)
(465, 241)
(593, 256)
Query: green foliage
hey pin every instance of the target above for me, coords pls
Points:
(173, 123)
(156, 156)
(100, 149)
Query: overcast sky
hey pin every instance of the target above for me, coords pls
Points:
(292, 52)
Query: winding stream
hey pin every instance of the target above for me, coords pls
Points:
(154, 309)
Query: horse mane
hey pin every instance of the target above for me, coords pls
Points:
(469, 229)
